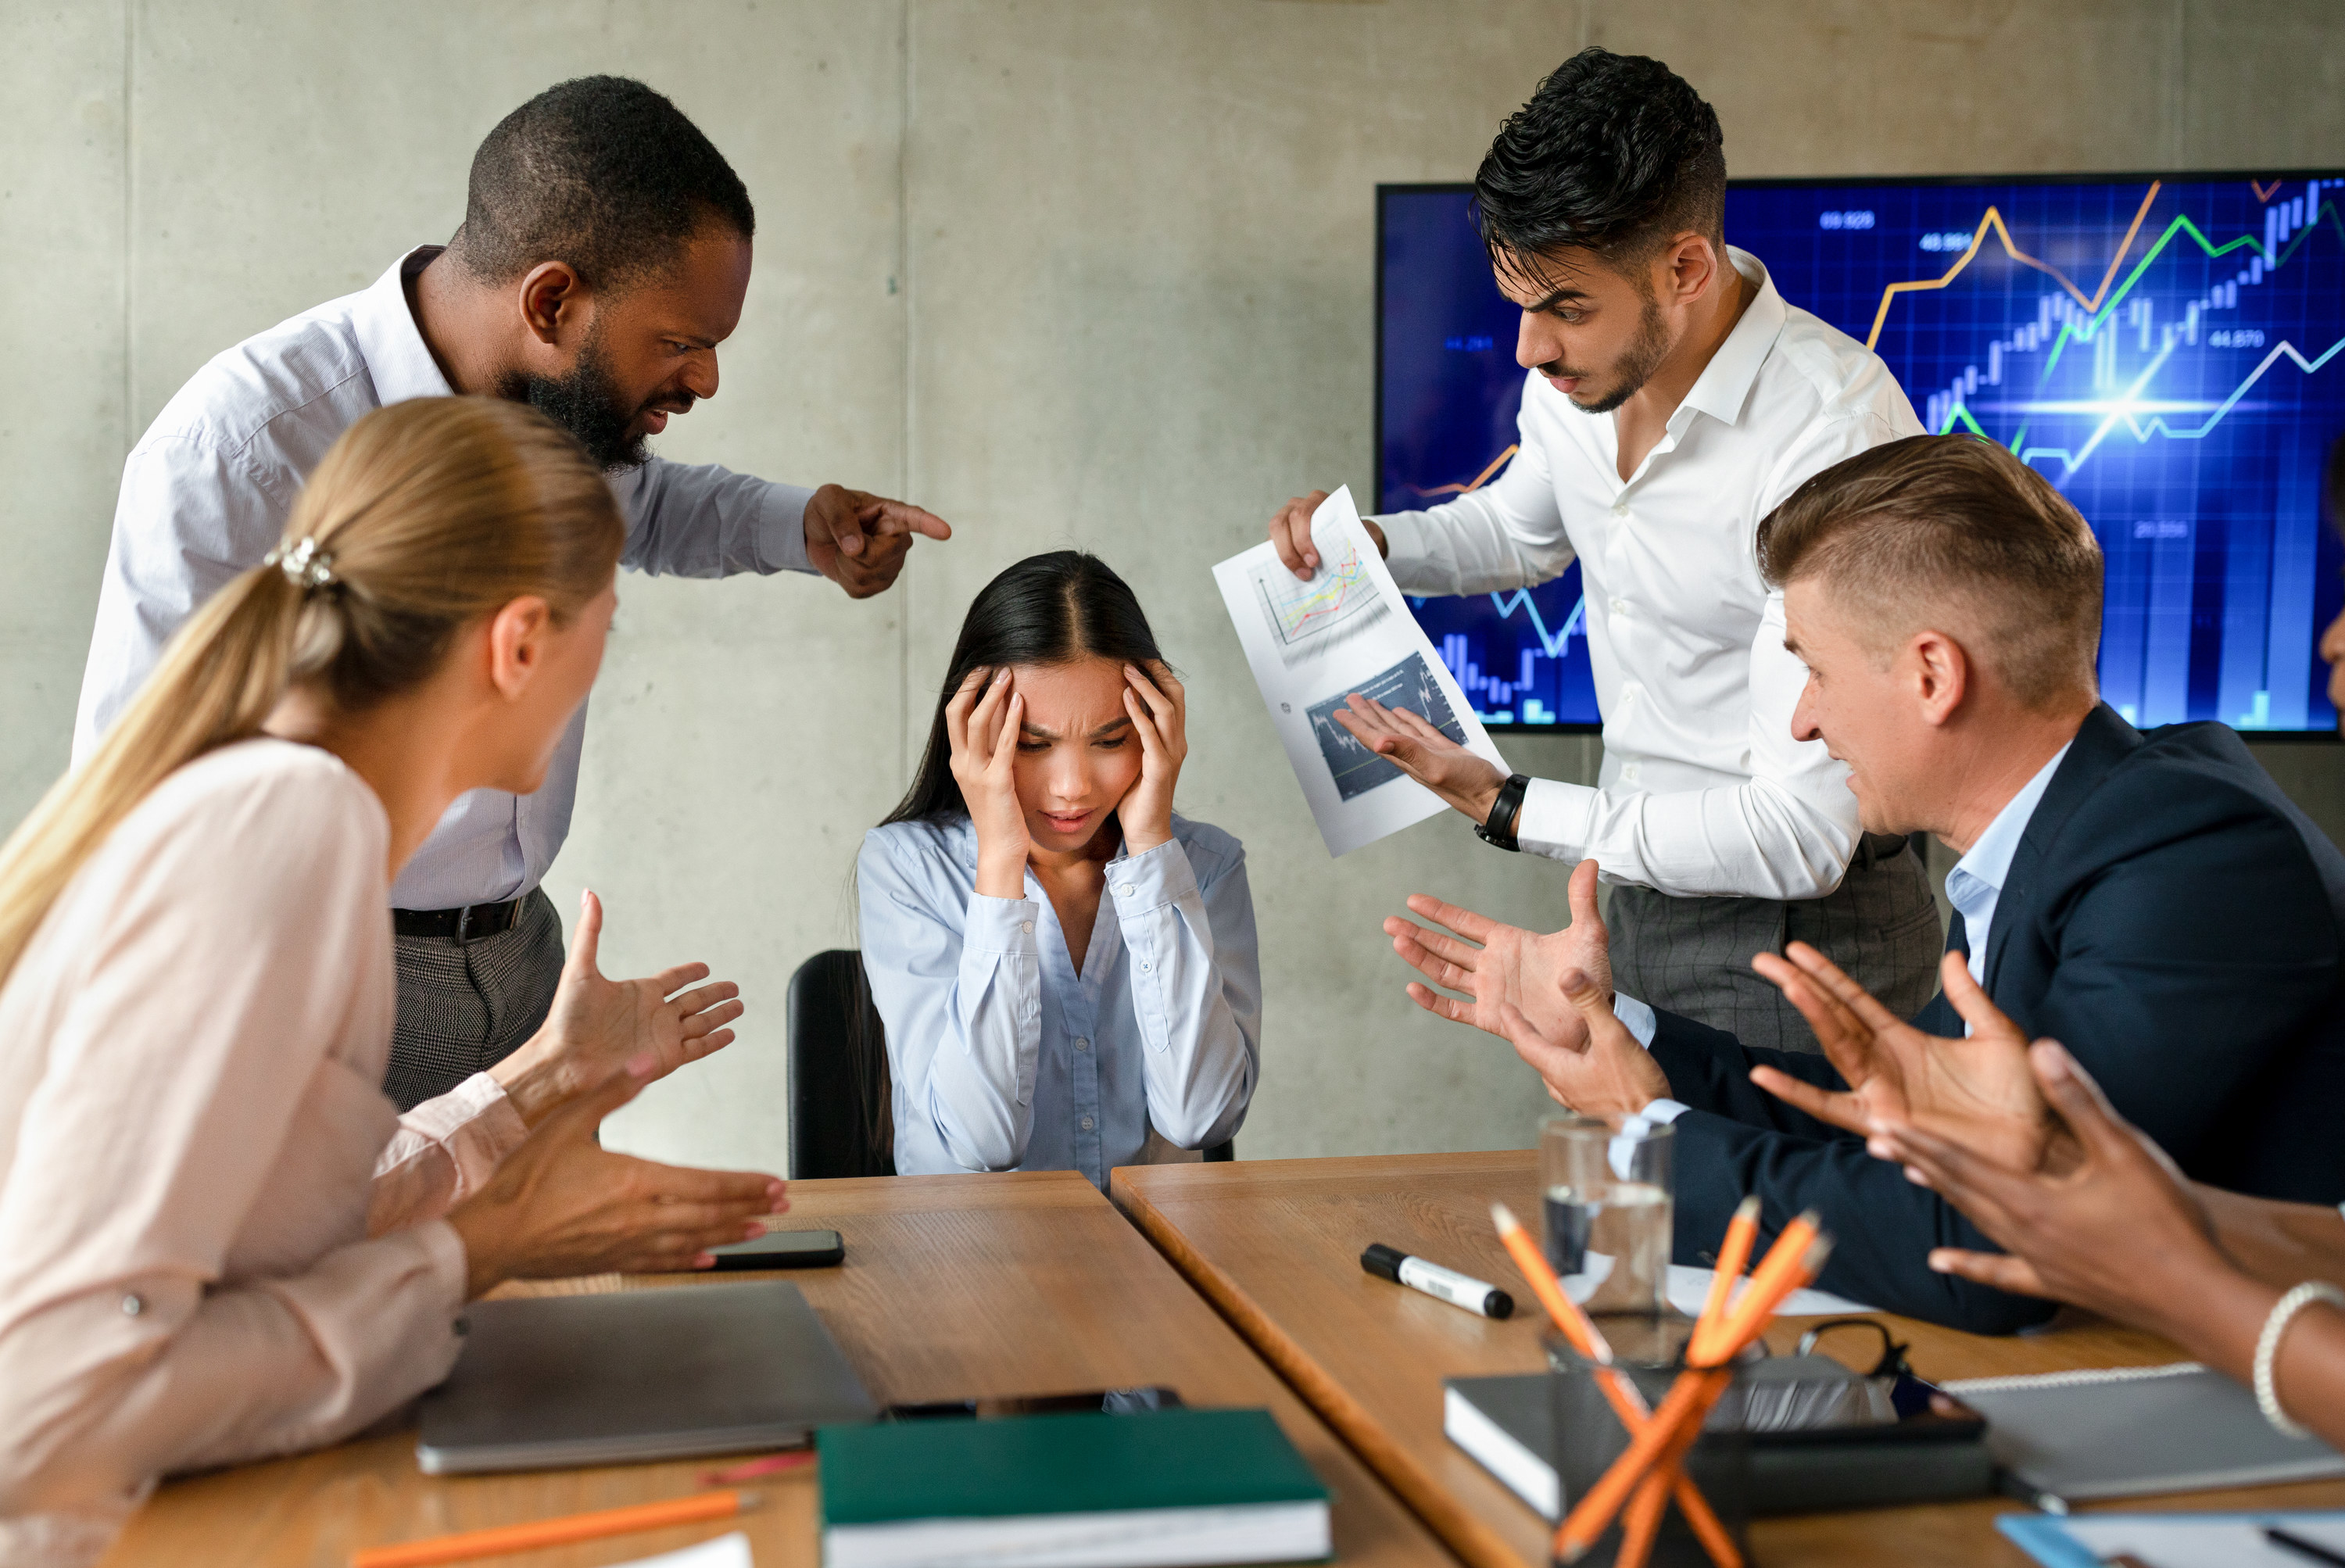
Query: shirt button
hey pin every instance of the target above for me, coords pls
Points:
(132, 1306)
(1082, 1044)
(1127, 890)
(1620, 509)
(1087, 1124)
(1146, 968)
(1619, 606)
(1026, 925)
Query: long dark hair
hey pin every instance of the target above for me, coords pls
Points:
(1047, 609)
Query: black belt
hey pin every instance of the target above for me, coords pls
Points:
(1874, 848)
(461, 924)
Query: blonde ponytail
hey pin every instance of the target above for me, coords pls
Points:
(423, 517)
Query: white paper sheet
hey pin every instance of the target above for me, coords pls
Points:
(1690, 1288)
(724, 1551)
(1311, 644)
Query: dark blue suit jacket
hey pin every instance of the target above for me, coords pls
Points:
(2170, 918)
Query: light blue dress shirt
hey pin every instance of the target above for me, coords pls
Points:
(1005, 1058)
(206, 493)
(1976, 884)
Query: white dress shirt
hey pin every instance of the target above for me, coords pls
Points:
(1976, 884)
(1004, 1057)
(207, 490)
(1703, 790)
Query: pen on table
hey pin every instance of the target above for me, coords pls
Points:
(559, 1531)
(1441, 1284)
(2313, 1550)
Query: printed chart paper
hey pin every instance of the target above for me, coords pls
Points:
(1312, 644)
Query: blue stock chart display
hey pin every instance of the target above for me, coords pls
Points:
(2165, 351)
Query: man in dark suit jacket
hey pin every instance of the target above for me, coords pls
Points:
(2152, 901)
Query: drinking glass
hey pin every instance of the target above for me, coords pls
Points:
(1610, 1205)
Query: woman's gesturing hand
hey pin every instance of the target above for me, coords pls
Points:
(562, 1206)
(981, 723)
(597, 1023)
(1160, 716)
(2120, 1232)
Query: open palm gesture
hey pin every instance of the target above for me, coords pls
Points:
(1498, 966)
(597, 1024)
(1978, 1091)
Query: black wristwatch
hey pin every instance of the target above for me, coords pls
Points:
(1500, 829)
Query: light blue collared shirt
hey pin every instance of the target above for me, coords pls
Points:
(1005, 1058)
(1976, 884)
(207, 490)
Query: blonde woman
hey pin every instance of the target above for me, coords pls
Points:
(218, 1238)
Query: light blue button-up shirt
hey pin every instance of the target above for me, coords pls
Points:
(1005, 1058)
(206, 493)
(1976, 884)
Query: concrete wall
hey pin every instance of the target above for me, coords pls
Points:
(1065, 270)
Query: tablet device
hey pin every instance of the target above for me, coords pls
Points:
(666, 1372)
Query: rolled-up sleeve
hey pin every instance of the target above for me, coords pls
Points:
(445, 1150)
(1196, 986)
(688, 520)
(959, 985)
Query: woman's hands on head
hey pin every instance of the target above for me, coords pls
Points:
(562, 1206)
(1159, 708)
(981, 725)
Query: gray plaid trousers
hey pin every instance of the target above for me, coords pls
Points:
(465, 1006)
(1692, 956)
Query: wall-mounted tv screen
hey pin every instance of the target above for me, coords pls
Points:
(2165, 349)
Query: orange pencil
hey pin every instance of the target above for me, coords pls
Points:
(1678, 1422)
(560, 1531)
(1627, 1403)
(1733, 1254)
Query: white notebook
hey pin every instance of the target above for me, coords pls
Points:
(2070, 1437)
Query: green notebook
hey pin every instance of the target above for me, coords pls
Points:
(1163, 1488)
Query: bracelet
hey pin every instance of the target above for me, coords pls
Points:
(2283, 1311)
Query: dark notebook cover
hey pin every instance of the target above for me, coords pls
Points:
(1808, 1476)
(1016, 1466)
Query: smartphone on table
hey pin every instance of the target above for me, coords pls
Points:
(783, 1249)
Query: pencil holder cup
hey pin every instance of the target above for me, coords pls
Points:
(1588, 1436)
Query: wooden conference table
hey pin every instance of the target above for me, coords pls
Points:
(1275, 1245)
(952, 1286)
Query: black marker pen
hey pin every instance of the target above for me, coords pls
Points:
(1441, 1284)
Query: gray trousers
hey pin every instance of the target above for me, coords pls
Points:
(465, 1006)
(1692, 956)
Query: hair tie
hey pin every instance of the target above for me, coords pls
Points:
(306, 563)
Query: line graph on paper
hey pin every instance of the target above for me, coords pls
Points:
(1342, 591)
(2170, 352)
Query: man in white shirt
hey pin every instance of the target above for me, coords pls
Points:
(604, 254)
(1674, 399)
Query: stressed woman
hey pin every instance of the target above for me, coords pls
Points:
(218, 1238)
(1066, 969)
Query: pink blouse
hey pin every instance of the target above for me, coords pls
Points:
(218, 1241)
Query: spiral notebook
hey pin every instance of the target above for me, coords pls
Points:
(2072, 1436)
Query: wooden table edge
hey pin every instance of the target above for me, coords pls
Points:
(1465, 1535)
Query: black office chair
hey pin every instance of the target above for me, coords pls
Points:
(842, 1117)
(842, 1123)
